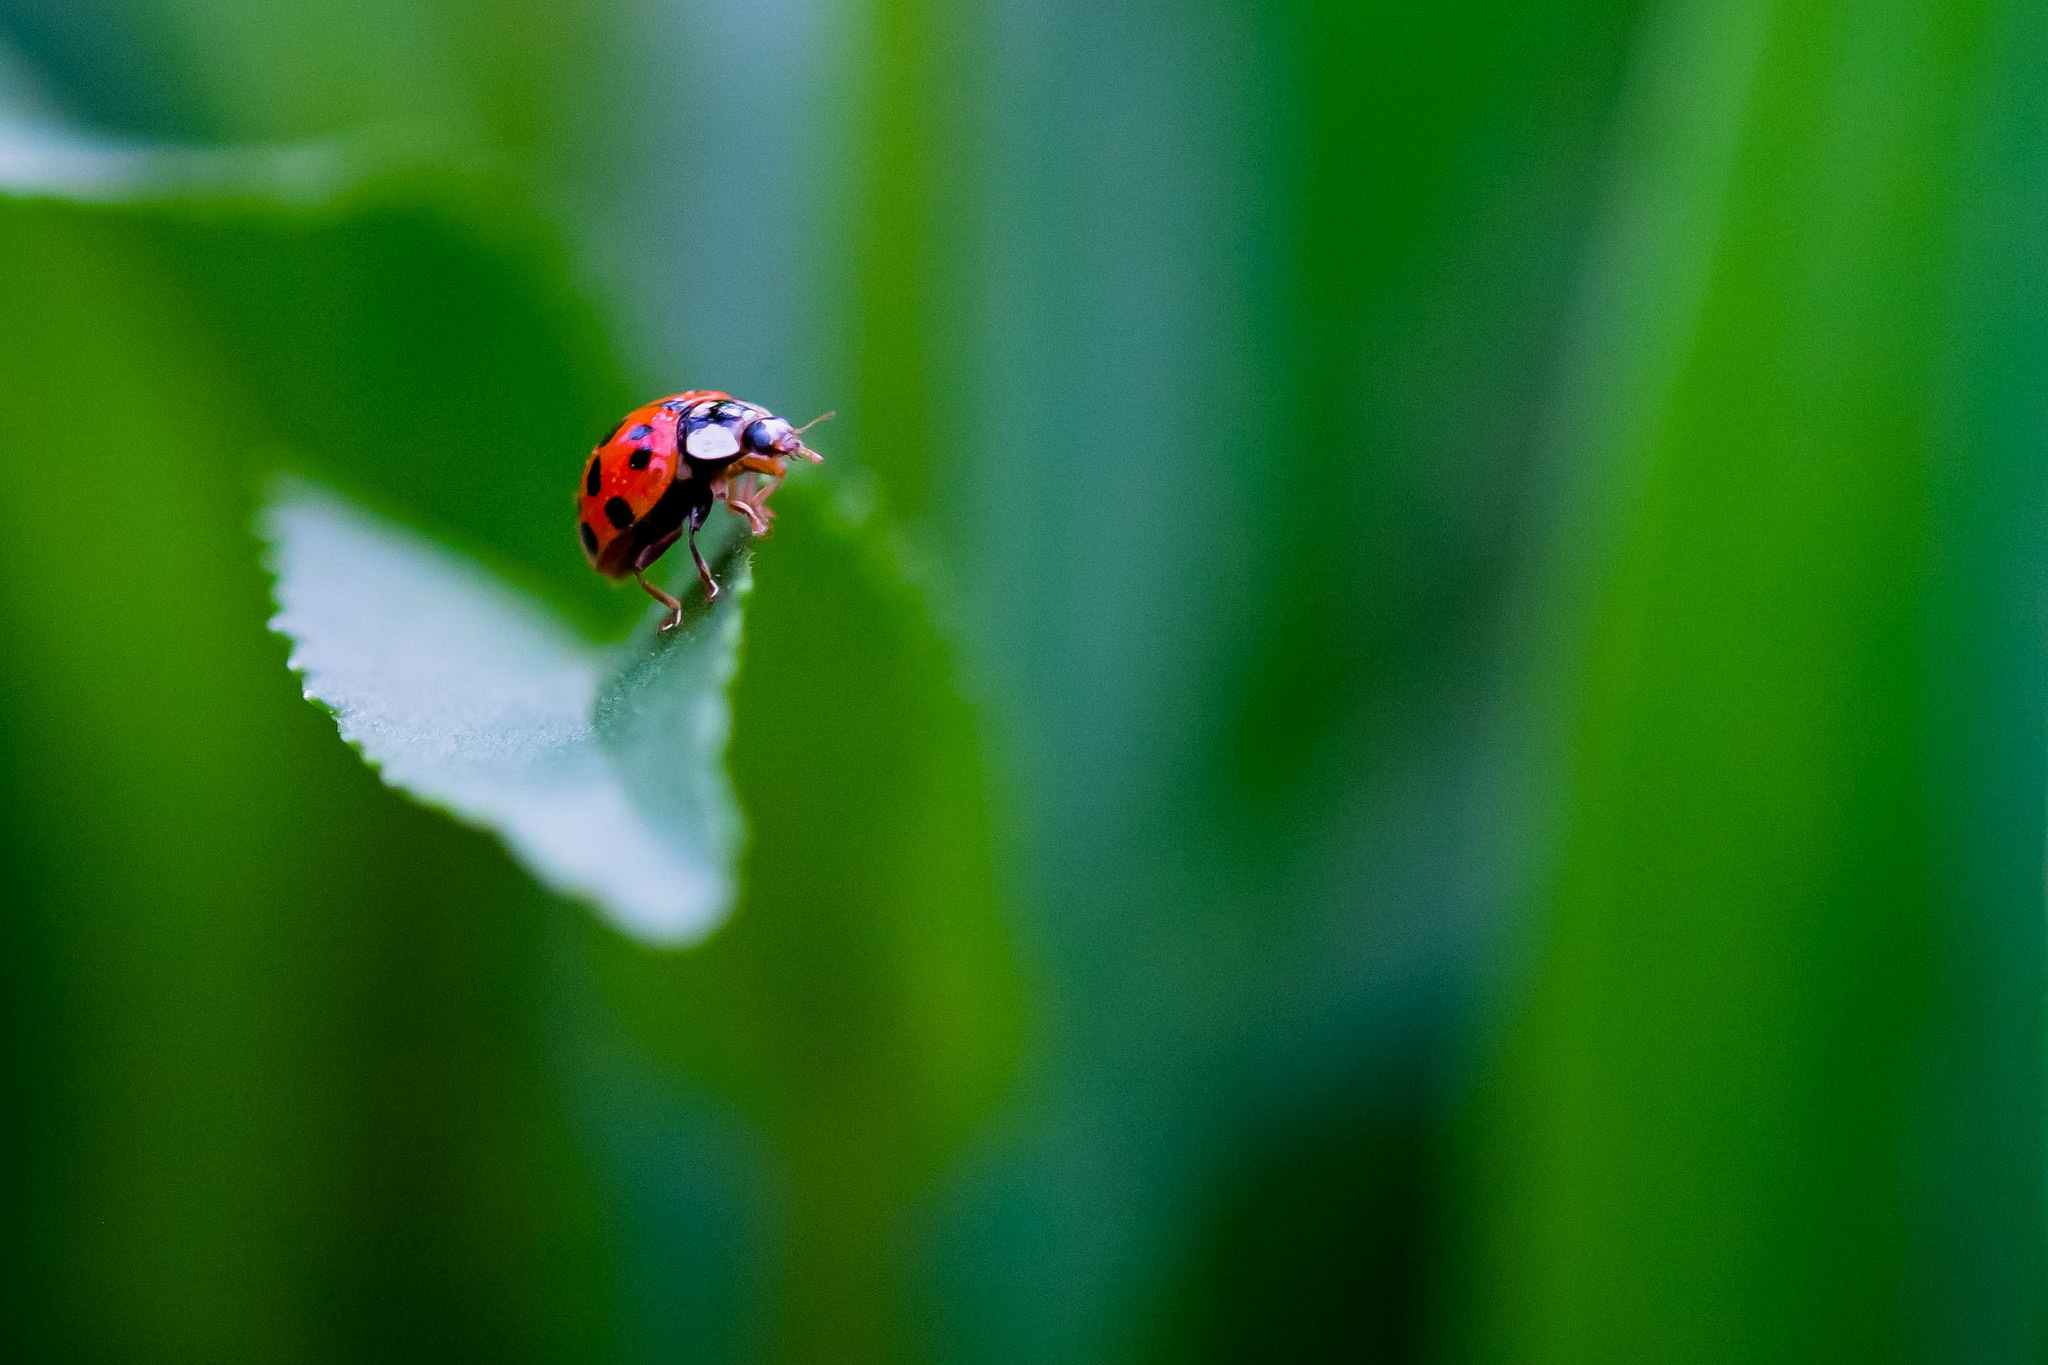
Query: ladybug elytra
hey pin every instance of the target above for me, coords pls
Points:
(655, 477)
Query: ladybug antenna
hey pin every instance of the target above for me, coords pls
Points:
(821, 417)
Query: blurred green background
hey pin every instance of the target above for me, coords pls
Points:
(1433, 749)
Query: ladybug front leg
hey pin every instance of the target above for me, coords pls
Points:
(741, 499)
(760, 498)
(767, 471)
(773, 465)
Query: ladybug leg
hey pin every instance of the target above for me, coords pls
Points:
(764, 464)
(760, 500)
(766, 468)
(741, 498)
(675, 607)
(703, 569)
(768, 480)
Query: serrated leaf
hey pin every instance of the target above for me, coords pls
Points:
(601, 770)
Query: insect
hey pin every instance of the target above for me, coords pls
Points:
(655, 477)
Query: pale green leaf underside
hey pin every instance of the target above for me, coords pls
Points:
(602, 770)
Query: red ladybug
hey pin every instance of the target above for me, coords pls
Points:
(656, 476)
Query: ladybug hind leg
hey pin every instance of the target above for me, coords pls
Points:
(703, 570)
(675, 607)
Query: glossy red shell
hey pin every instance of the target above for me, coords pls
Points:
(625, 476)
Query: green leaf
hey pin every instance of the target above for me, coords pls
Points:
(601, 770)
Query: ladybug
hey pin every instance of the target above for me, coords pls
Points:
(655, 477)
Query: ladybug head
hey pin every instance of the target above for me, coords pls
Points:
(773, 437)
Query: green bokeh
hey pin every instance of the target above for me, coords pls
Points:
(1405, 724)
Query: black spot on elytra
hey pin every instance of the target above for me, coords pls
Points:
(637, 460)
(589, 538)
(618, 513)
(590, 479)
(640, 433)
